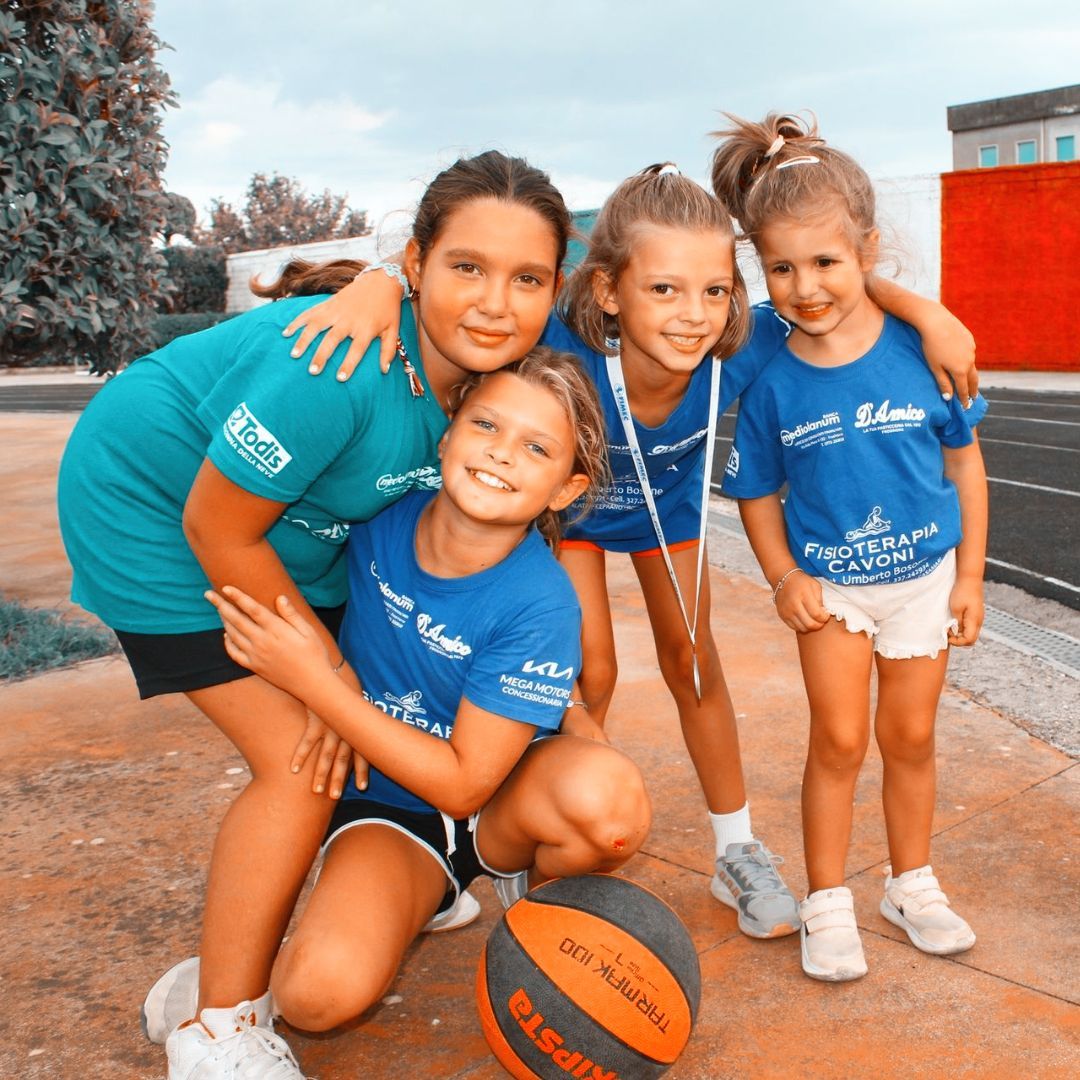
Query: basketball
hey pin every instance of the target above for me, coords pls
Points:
(591, 977)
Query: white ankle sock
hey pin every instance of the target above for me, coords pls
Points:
(732, 828)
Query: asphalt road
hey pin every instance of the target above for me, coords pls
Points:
(1031, 443)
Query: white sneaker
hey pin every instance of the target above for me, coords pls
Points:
(914, 902)
(228, 1044)
(510, 890)
(173, 999)
(831, 949)
(464, 910)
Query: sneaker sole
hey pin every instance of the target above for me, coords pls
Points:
(722, 893)
(831, 975)
(896, 917)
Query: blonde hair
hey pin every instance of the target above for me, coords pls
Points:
(781, 168)
(659, 195)
(560, 374)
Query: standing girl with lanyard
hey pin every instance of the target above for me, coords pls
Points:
(875, 557)
(657, 295)
(215, 460)
(456, 606)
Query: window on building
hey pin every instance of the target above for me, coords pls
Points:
(1066, 148)
(988, 156)
(1025, 152)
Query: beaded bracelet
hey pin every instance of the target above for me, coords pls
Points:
(391, 270)
(780, 583)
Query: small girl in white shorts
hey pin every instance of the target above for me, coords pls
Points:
(876, 555)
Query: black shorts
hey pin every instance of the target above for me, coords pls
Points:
(175, 663)
(451, 843)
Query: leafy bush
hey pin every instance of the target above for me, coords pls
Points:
(33, 640)
(81, 200)
(167, 327)
(198, 277)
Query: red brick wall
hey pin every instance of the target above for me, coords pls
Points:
(1010, 262)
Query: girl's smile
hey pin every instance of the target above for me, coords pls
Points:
(671, 299)
(509, 453)
(486, 287)
(817, 281)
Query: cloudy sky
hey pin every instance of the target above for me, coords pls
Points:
(371, 98)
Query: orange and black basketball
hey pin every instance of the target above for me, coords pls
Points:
(590, 977)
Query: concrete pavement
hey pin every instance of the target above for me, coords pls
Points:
(110, 807)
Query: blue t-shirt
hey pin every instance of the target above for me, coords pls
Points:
(674, 451)
(332, 452)
(860, 447)
(507, 638)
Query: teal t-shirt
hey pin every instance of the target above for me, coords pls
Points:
(333, 452)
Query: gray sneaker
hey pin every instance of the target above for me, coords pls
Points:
(746, 880)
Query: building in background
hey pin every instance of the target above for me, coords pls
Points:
(1009, 236)
(1025, 129)
(998, 246)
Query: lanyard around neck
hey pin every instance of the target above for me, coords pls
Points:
(622, 403)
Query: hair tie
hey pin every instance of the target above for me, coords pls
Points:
(806, 159)
(669, 170)
(775, 147)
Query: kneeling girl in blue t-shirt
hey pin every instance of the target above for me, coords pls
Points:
(876, 555)
(465, 634)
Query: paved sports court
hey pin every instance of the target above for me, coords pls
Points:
(110, 808)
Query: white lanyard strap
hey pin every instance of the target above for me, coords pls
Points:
(622, 403)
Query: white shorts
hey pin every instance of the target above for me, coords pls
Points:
(905, 619)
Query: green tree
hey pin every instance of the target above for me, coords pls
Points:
(179, 217)
(198, 280)
(81, 157)
(278, 210)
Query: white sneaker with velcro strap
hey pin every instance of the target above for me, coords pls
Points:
(914, 902)
(829, 935)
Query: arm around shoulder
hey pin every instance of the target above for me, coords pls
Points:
(948, 345)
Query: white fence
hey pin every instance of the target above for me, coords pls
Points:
(266, 263)
(909, 210)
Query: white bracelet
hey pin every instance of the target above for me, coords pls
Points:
(780, 583)
(391, 270)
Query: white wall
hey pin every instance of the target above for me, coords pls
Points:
(267, 263)
(909, 212)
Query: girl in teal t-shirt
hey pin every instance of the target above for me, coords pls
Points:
(214, 460)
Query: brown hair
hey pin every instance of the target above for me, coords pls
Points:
(562, 375)
(781, 168)
(490, 175)
(303, 278)
(658, 195)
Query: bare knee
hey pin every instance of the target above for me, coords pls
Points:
(676, 657)
(319, 988)
(907, 743)
(609, 807)
(838, 750)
